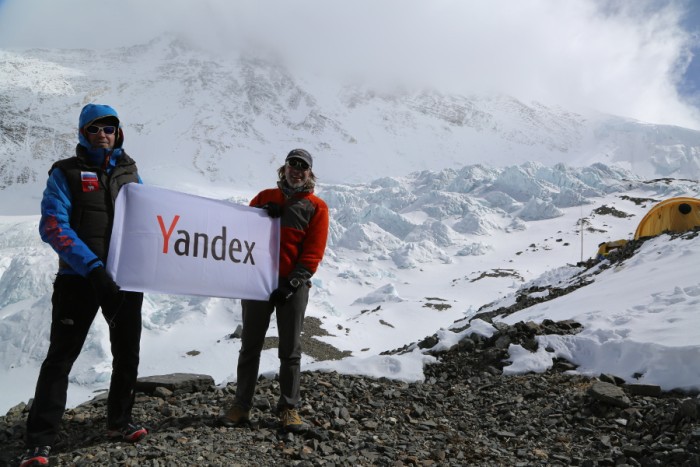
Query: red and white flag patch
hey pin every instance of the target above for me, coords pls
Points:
(89, 181)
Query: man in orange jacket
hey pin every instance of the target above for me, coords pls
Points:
(304, 230)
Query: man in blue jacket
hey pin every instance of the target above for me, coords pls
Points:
(77, 212)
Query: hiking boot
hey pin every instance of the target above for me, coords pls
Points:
(234, 416)
(290, 419)
(131, 433)
(38, 455)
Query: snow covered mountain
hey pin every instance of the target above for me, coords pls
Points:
(440, 204)
(193, 119)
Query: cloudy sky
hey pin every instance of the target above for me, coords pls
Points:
(627, 58)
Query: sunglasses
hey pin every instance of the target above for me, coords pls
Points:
(298, 164)
(94, 129)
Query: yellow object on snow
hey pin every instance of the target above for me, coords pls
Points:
(606, 247)
(672, 215)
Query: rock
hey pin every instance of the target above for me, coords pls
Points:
(17, 409)
(237, 333)
(162, 392)
(609, 394)
(688, 410)
(612, 379)
(649, 390)
(182, 382)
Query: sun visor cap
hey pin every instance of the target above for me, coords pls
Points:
(301, 154)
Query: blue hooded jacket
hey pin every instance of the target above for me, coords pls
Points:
(56, 204)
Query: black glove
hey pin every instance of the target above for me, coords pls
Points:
(281, 294)
(104, 286)
(273, 209)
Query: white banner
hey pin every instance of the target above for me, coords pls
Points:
(164, 241)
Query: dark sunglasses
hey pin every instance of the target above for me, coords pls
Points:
(94, 129)
(298, 164)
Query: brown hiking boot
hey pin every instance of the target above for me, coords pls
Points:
(290, 419)
(236, 415)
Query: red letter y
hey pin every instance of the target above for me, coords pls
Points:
(166, 236)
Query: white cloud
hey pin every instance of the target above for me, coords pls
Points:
(625, 58)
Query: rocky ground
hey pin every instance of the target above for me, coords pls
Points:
(466, 412)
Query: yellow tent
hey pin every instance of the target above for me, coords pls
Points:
(671, 215)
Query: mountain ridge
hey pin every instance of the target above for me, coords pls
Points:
(228, 121)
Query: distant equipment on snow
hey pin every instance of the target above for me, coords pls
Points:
(606, 247)
(671, 215)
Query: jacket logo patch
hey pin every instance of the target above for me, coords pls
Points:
(89, 181)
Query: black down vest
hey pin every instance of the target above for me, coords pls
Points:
(92, 207)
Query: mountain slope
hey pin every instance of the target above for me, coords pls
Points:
(406, 256)
(192, 119)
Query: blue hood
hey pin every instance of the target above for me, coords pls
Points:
(88, 115)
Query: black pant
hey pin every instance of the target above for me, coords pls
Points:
(74, 308)
(290, 322)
